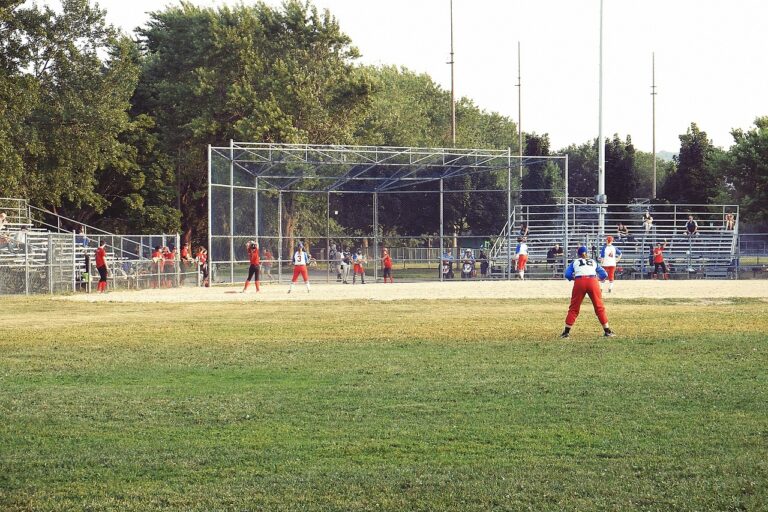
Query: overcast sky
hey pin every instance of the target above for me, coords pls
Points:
(711, 58)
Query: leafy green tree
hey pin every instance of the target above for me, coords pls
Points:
(697, 177)
(749, 170)
(542, 182)
(620, 178)
(246, 73)
(582, 169)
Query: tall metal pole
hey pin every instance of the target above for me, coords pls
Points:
(509, 213)
(453, 89)
(653, 95)
(231, 211)
(210, 216)
(601, 199)
(375, 236)
(519, 112)
(280, 236)
(440, 255)
(565, 210)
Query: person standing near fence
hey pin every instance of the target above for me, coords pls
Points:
(253, 270)
(658, 260)
(521, 257)
(202, 262)
(346, 262)
(101, 266)
(585, 272)
(300, 262)
(359, 266)
(386, 263)
(609, 259)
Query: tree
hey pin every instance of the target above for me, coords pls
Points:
(697, 177)
(749, 170)
(541, 182)
(620, 178)
(582, 169)
(246, 73)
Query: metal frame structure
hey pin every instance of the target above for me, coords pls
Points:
(254, 169)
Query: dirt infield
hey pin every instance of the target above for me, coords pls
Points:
(695, 289)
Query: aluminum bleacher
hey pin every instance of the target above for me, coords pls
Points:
(710, 253)
(39, 253)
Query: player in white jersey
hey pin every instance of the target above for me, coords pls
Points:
(300, 262)
(609, 259)
(521, 256)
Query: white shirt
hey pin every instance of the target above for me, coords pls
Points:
(610, 256)
(584, 267)
(299, 258)
(522, 248)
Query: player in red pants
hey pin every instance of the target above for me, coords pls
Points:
(585, 272)
(101, 266)
(300, 263)
(253, 270)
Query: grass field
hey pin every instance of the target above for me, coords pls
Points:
(365, 405)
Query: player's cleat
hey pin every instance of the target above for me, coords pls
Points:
(565, 335)
(609, 334)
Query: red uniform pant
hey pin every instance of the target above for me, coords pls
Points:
(522, 259)
(611, 272)
(581, 287)
(300, 270)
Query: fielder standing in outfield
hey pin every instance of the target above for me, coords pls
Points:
(253, 271)
(585, 272)
(386, 263)
(609, 258)
(521, 257)
(300, 263)
(101, 266)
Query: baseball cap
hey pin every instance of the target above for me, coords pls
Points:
(609, 239)
(582, 250)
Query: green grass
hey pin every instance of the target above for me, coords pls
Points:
(419, 405)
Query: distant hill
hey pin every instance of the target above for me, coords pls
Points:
(665, 155)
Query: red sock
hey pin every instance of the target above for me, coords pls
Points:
(246, 285)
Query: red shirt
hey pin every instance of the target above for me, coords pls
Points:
(184, 253)
(156, 254)
(254, 256)
(101, 257)
(387, 261)
(203, 257)
(658, 255)
(168, 255)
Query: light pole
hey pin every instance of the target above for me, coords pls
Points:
(601, 199)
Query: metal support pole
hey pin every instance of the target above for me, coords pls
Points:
(509, 213)
(74, 264)
(256, 209)
(440, 255)
(653, 95)
(280, 236)
(231, 211)
(177, 260)
(328, 234)
(26, 266)
(565, 209)
(210, 219)
(49, 261)
(600, 143)
(453, 89)
(375, 236)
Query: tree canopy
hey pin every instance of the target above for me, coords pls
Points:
(113, 131)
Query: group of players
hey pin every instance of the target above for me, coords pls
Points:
(586, 273)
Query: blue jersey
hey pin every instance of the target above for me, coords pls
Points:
(584, 267)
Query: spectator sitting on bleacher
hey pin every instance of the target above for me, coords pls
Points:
(80, 237)
(647, 222)
(730, 221)
(691, 226)
(21, 239)
(3, 221)
(523, 230)
(622, 233)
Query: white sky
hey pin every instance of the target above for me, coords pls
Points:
(711, 58)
